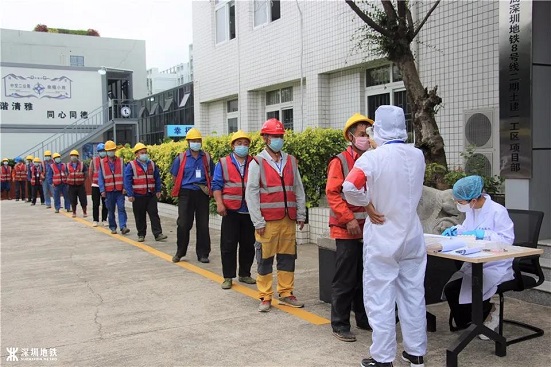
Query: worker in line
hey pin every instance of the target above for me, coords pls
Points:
(57, 176)
(228, 186)
(487, 220)
(37, 179)
(20, 178)
(29, 165)
(192, 171)
(94, 170)
(390, 177)
(5, 178)
(346, 223)
(277, 203)
(142, 183)
(76, 175)
(47, 189)
(111, 186)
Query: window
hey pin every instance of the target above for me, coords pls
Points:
(272, 115)
(287, 95)
(225, 20)
(279, 103)
(288, 118)
(232, 115)
(233, 105)
(232, 125)
(272, 97)
(266, 11)
(76, 60)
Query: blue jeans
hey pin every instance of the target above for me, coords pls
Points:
(58, 191)
(48, 192)
(112, 199)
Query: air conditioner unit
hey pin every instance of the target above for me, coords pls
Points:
(481, 132)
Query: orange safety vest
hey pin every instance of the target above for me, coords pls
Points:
(277, 193)
(59, 175)
(360, 213)
(143, 181)
(6, 174)
(94, 167)
(113, 181)
(37, 175)
(233, 192)
(178, 181)
(20, 172)
(76, 175)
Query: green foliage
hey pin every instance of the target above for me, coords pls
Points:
(80, 32)
(433, 175)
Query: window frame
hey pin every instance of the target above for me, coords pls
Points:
(268, 13)
(225, 5)
(76, 57)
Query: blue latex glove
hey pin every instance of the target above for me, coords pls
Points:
(450, 232)
(479, 233)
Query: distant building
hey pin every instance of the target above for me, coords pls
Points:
(158, 81)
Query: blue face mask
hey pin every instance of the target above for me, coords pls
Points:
(47, 158)
(36, 164)
(57, 160)
(195, 146)
(144, 157)
(102, 154)
(110, 154)
(276, 144)
(241, 150)
(74, 159)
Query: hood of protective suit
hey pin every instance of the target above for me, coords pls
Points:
(390, 124)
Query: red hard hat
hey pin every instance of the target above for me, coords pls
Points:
(272, 127)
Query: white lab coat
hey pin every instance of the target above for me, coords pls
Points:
(394, 252)
(498, 227)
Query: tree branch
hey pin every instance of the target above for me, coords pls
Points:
(426, 17)
(402, 8)
(389, 10)
(411, 29)
(370, 22)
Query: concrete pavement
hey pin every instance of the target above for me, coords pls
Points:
(97, 299)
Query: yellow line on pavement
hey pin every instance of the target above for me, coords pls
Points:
(298, 312)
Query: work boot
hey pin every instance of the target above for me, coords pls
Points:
(176, 258)
(114, 231)
(370, 362)
(414, 361)
(94, 224)
(160, 237)
(344, 335)
(141, 238)
(247, 280)
(203, 259)
(227, 283)
(291, 301)
(125, 230)
(265, 306)
(84, 214)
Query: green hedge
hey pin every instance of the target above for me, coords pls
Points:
(312, 147)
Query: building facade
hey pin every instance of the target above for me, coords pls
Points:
(159, 81)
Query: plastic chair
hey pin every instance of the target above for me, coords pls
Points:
(527, 270)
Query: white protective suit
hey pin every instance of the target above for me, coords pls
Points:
(394, 252)
(498, 227)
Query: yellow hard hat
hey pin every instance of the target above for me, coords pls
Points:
(47, 153)
(37, 160)
(138, 147)
(354, 119)
(29, 158)
(56, 155)
(239, 135)
(74, 152)
(110, 145)
(5, 160)
(193, 133)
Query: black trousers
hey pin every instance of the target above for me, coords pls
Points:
(237, 229)
(146, 205)
(96, 200)
(347, 286)
(29, 190)
(38, 189)
(78, 192)
(462, 313)
(20, 189)
(193, 203)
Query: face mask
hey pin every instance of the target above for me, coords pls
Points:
(362, 143)
(276, 144)
(144, 157)
(57, 160)
(111, 154)
(463, 208)
(241, 150)
(47, 158)
(195, 146)
(74, 159)
(36, 164)
(102, 154)
(5, 163)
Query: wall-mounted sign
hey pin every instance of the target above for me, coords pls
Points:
(177, 131)
(37, 86)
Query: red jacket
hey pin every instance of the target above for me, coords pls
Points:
(277, 193)
(59, 176)
(113, 181)
(233, 192)
(20, 172)
(75, 176)
(95, 168)
(5, 173)
(37, 175)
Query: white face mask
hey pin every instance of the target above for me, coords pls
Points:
(463, 208)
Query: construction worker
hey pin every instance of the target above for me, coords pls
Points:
(5, 178)
(29, 165)
(20, 178)
(276, 201)
(228, 186)
(142, 183)
(57, 176)
(47, 189)
(192, 171)
(110, 181)
(76, 175)
(37, 179)
(346, 222)
(96, 195)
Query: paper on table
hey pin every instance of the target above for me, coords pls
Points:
(439, 243)
(468, 250)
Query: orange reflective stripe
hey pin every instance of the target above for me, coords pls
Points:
(113, 181)
(75, 176)
(143, 180)
(357, 178)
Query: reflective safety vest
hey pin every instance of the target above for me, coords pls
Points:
(94, 168)
(20, 172)
(233, 192)
(112, 180)
(6, 173)
(76, 175)
(178, 181)
(277, 193)
(143, 182)
(37, 175)
(360, 213)
(59, 175)
(45, 165)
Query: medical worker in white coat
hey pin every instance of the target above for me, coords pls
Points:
(394, 248)
(487, 220)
